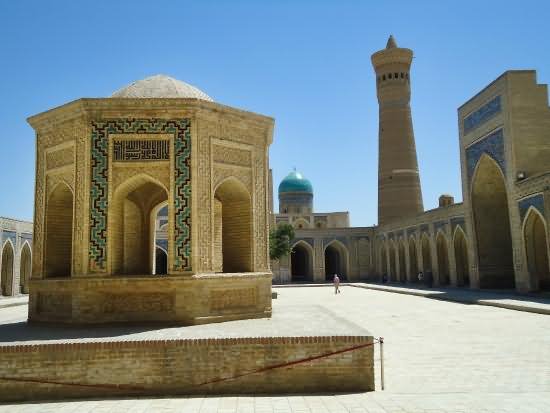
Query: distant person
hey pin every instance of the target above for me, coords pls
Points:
(336, 284)
(420, 277)
(384, 278)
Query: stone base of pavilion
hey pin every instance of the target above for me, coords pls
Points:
(300, 349)
(182, 300)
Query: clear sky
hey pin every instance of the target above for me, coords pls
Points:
(306, 63)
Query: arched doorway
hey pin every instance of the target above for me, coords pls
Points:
(413, 260)
(393, 266)
(232, 228)
(402, 264)
(59, 232)
(426, 255)
(132, 221)
(7, 269)
(335, 261)
(461, 258)
(442, 259)
(301, 263)
(383, 261)
(25, 269)
(492, 226)
(161, 261)
(536, 248)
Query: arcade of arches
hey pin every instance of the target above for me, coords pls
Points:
(59, 232)
(335, 261)
(536, 248)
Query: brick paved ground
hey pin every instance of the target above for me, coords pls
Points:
(440, 357)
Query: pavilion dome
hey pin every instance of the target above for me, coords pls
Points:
(161, 86)
(295, 182)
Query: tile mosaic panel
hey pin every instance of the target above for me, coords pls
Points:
(492, 145)
(482, 115)
(99, 184)
(536, 201)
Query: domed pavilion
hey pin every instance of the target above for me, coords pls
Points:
(107, 166)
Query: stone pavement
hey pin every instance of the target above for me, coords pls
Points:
(509, 300)
(440, 356)
(14, 301)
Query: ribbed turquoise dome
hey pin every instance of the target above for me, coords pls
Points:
(295, 182)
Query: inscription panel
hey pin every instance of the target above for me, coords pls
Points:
(141, 150)
(231, 156)
(233, 299)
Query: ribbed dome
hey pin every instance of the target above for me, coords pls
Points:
(295, 182)
(161, 86)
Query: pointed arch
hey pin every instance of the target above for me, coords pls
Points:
(232, 216)
(7, 261)
(442, 258)
(25, 265)
(536, 248)
(492, 225)
(426, 254)
(383, 257)
(132, 225)
(460, 246)
(413, 260)
(402, 262)
(393, 264)
(336, 259)
(58, 237)
(159, 254)
(300, 223)
(301, 262)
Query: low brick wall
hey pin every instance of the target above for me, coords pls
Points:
(181, 300)
(198, 366)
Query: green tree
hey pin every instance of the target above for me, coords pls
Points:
(279, 241)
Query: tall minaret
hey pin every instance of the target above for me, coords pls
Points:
(399, 192)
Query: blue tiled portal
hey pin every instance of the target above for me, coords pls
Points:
(535, 201)
(492, 145)
(482, 115)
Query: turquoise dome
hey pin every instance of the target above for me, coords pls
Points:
(295, 182)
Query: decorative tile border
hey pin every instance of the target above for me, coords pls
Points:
(459, 221)
(492, 145)
(536, 201)
(99, 184)
(482, 115)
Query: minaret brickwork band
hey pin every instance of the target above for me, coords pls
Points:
(399, 192)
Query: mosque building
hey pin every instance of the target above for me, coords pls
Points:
(96, 182)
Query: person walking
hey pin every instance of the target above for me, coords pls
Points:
(420, 277)
(336, 284)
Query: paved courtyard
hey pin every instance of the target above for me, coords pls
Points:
(439, 357)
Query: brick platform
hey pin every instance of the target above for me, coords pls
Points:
(300, 349)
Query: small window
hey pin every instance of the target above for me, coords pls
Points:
(401, 75)
(389, 76)
(396, 75)
(384, 77)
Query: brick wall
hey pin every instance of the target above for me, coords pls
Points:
(132, 368)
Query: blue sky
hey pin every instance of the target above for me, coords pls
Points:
(306, 63)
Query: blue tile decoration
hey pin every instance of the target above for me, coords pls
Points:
(162, 243)
(439, 225)
(11, 235)
(181, 129)
(425, 228)
(482, 115)
(492, 145)
(536, 201)
(24, 237)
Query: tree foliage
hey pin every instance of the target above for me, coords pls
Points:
(279, 241)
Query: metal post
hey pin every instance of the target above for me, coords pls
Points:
(381, 341)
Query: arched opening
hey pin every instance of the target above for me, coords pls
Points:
(161, 261)
(301, 263)
(132, 224)
(442, 260)
(393, 272)
(335, 261)
(426, 255)
(492, 226)
(536, 248)
(25, 269)
(7, 269)
(383, 261)
(232, 228)
(402, 264)
(59, 232)
(413, 260)
(461, 259)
